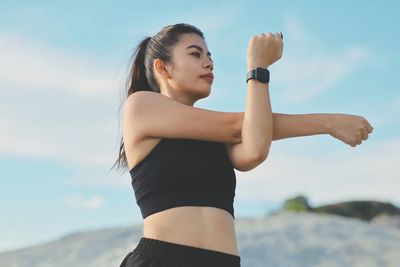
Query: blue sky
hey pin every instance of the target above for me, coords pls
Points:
(62, 71)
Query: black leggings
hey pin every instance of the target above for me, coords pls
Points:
(157, 253)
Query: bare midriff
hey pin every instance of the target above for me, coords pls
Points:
(202, 227)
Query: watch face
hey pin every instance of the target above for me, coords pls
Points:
(262, 75)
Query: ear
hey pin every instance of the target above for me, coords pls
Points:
(161, 68)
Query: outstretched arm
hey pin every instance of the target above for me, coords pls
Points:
(350, 129)
(295, 125)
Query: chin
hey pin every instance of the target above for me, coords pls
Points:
(201, 91)
(206, 92)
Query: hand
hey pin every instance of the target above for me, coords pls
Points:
(263, 50)
(349, 129)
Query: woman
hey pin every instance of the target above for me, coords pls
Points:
(182, 159)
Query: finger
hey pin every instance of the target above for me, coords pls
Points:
(364, 135)
(359, 140)
(369, 128)
(353, 142)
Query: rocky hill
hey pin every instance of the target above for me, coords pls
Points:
(365, 210)
(284, 239)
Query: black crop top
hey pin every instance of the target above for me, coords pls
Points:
(184, 172)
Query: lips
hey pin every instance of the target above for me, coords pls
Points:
(209, 76)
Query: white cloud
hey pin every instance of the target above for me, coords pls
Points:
(28, 64)
(57, 104)
(306, 69)
(303, 78)
(82, 202)
(63, 126)
(368, 171)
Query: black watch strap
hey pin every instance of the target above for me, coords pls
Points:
(260, 74)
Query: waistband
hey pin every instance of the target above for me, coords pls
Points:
(159, 248)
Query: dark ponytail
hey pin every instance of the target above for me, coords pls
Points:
(137, 80)
(141, 75)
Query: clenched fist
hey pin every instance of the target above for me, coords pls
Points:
(263, 50)
(350, 129)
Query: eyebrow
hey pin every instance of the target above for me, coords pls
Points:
(198, 48)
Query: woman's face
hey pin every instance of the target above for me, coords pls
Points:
(190, 61)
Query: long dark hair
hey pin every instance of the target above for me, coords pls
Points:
(141, 75)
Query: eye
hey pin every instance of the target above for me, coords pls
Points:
(197, 54)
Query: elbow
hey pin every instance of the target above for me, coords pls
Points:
(254, 162)
(251, 162)
(262, 155)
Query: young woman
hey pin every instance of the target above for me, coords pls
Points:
(182, 158)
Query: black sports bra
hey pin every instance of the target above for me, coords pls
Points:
(184, 172)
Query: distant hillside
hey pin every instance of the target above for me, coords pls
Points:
(95, 248)
(364, 210)
(286, 239)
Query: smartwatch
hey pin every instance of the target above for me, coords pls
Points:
(260, 74)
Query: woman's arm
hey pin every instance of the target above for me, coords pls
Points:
(350, 129)
(295, 125)
(256, 128)
(253, 129)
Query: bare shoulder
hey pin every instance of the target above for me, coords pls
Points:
(136, 146)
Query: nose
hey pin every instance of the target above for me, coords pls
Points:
(209, 64)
